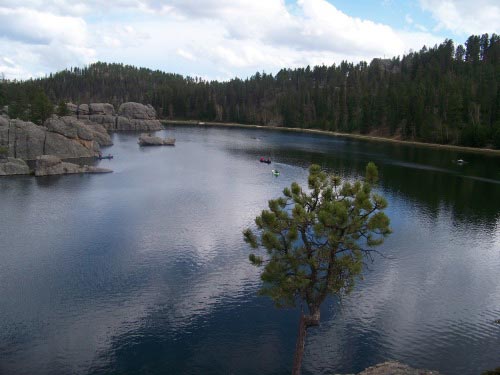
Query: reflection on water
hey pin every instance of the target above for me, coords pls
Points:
(145, 271)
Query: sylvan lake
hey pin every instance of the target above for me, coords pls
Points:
(145, 270)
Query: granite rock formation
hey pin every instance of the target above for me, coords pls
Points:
(130, 116)
(48, 165)
(137, 111)
(60, 137)
(73, 128)
(151, 140)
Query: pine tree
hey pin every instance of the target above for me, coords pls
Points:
(62, 109)
(41, 108)
(315, 242)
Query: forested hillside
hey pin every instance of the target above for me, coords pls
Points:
(444, 94)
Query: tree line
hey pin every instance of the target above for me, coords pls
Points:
(442, 94)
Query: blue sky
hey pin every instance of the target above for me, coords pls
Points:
(221, 39)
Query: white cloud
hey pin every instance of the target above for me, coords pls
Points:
(187, 55)
(118, 36)
(465, 16)
(216, 38)
(35, 27)
(36, 41)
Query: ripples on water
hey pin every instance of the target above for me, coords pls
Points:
(145, 270)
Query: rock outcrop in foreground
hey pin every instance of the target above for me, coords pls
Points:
(151, 140)
(48, 165)
(131, 116)
(64, 137)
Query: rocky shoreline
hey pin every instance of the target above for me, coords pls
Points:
(81, 134)
(48, 165)
(394, 368)
(336, 134)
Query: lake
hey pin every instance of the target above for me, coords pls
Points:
(145, 270)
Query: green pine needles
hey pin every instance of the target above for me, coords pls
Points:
(316, 240)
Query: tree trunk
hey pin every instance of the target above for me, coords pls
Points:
(306, 321)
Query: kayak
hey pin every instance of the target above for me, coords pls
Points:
(275, 172)
(267, 161)
(100, 157)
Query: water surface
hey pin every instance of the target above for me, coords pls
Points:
(145, 271)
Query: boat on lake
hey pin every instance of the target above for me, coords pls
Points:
(108, 156)
(264, 160)
(275, 172)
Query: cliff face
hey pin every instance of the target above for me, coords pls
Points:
(25, 140)
(130, 116)
(73, 128)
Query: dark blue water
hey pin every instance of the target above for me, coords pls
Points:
(145, 270)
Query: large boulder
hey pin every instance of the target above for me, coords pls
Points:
(48, 165)
(125, 124)
(72, 108)
(13, 166)
(58, 125)
(83, 109)
(25, 139)
(101, 109)
(107, 121)
(137, 111)
(56, 144)
(83, 112)
(99, 134)
(78, 129)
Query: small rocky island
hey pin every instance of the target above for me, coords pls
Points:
(151, 140)
(77, 136)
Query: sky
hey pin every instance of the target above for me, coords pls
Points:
(223, 39)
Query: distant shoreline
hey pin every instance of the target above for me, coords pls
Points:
(487, 151)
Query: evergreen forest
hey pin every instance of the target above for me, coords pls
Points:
(443, 94)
